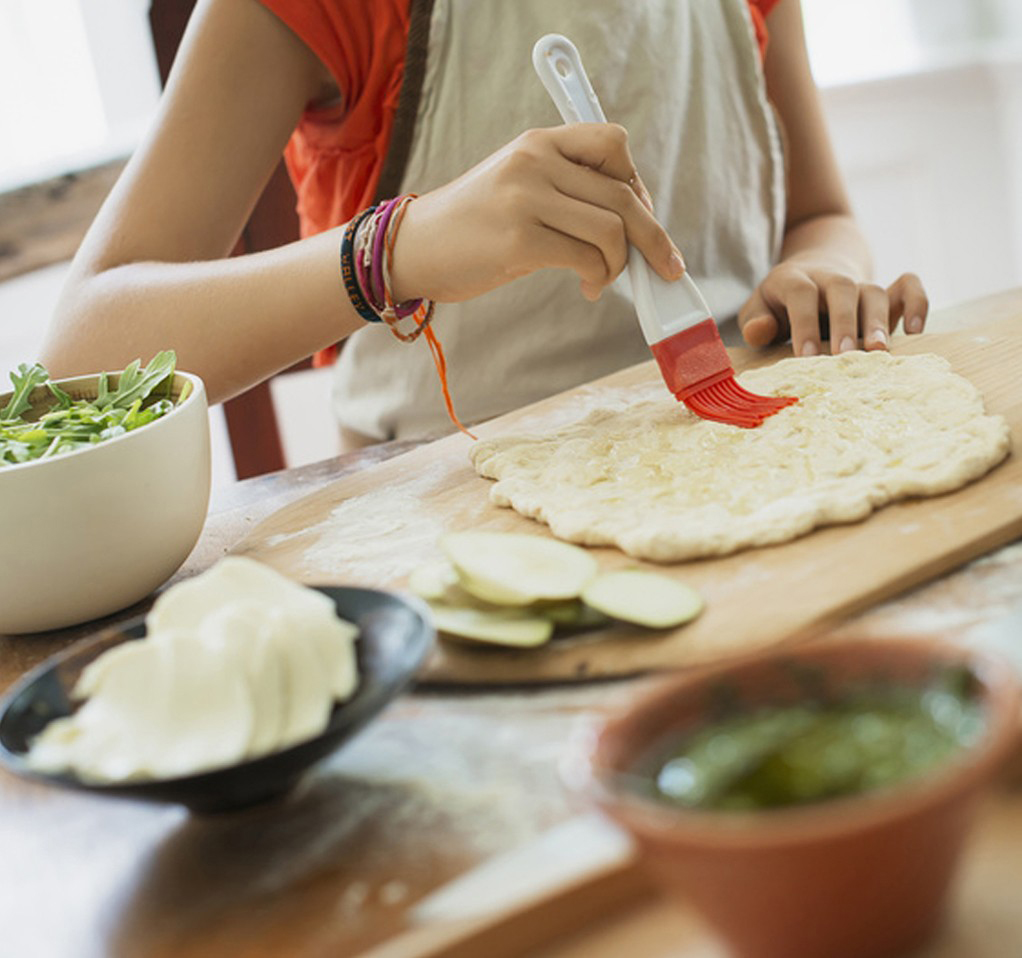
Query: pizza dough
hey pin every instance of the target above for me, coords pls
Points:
(661, 484)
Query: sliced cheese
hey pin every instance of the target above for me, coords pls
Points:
(237, 662)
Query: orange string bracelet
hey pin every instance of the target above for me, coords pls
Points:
(422, 317)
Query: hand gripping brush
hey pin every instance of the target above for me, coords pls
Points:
(674, 317)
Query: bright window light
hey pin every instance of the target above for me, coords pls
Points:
(860, 41)
(49, 100)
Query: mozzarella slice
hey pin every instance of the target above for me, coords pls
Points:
(237, 662)
(232, 579)
(208, 723)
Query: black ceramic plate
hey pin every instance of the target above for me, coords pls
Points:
(395, 635)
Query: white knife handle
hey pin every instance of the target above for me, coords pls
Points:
(662, 308)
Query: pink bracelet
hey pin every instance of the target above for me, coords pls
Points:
(377, 288)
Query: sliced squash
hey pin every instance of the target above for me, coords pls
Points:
(571, 615)
(504, 627)
(431, 581)
(643, 598)
(514, 569)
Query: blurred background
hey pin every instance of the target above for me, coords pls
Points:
(924, 100)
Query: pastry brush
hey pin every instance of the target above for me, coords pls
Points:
(675, 320)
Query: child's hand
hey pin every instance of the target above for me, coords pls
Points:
(566, 197)
(800, 301)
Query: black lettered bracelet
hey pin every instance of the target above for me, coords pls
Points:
(348, 272)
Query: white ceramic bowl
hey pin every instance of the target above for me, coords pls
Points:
(90, 532)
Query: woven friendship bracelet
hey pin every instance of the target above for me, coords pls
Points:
(421, 311)
(407, 308)
(377, 290)
(362, 240)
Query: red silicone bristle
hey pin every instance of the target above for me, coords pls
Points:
(697, 369)
(728, 402)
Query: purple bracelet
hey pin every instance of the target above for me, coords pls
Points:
(376, 291)
(400, 310)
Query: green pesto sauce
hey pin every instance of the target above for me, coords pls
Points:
(812, 752)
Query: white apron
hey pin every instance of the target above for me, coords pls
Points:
(684, 78)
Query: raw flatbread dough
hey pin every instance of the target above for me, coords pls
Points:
(661, 484)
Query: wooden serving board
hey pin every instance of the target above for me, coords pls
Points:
(374, 527)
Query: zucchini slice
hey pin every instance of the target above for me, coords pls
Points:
(504, 627)
(571, 615)
(432, 581)
(643, 598)
(514, 569)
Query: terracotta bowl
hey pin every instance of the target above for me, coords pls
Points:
(859, 877)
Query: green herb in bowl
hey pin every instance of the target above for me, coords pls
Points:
(812, 751)
(65, 424)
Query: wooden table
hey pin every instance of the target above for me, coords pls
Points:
(438, 785)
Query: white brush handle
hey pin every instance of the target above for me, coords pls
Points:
(663, 308)
(560, 68)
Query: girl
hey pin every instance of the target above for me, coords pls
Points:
(392, 97)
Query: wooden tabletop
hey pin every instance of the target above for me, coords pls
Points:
(440, 784)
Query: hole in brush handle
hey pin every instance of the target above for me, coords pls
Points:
(558, 64)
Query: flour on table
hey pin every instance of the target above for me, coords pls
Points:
(661, 484)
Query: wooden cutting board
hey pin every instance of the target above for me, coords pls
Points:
(374, 527)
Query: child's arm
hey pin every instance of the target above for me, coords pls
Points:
(825, 265)
(153, 272)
